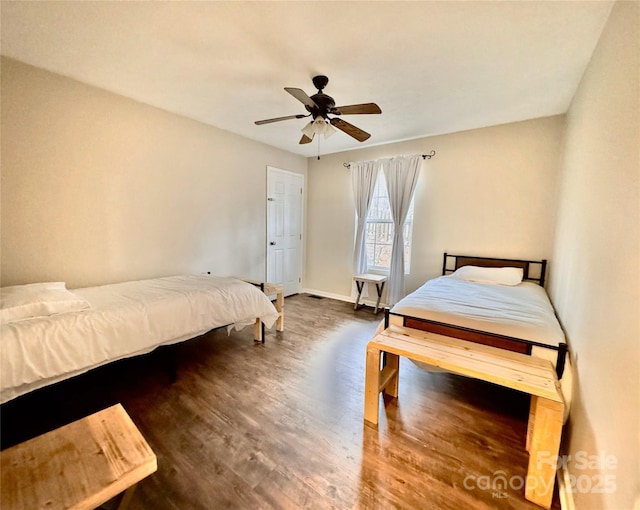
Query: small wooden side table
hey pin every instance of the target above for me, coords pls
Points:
(79, 466)
(361, 279)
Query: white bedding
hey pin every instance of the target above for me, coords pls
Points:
(125, 319)
(521, 311)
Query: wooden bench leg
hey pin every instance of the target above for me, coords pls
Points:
(532, 419)
(126, 497)
(371, 386)
(544, 446)
(377, 380)
(280, 308)
(258, 331)
(392, 366)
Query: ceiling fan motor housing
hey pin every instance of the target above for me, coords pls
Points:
(324, 102)
(325, 105)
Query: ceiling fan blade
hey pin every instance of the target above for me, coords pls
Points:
(305, 139)
(301, 96)
(357, 109)
(350, 129)
(278, 119)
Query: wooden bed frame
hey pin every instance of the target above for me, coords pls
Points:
(534, 271)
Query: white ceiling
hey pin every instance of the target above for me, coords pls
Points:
(433, 67)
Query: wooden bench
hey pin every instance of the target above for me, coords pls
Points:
(520, 372)
(270, 289)
(79, 466)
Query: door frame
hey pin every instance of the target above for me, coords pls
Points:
(303, 206)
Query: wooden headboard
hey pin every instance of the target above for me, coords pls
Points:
(534, 270)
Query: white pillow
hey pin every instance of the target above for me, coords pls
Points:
(494, 275)
(37, 300)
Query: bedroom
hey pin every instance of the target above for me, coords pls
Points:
(120, 190)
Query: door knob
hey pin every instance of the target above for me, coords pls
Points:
(272, 243)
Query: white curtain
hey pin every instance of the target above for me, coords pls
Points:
(363, 180)
(401, 175)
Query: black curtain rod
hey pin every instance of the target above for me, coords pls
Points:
(424, 156)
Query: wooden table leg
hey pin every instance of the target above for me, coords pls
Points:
(359, 286)
(544, 446)
(379, 289)
(371, 386)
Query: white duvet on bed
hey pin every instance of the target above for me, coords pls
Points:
(125, 319)
(520, 311)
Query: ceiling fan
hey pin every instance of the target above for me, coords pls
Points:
(320, 106)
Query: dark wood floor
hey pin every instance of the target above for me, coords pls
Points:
(279, 425)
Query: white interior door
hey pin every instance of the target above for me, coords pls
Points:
(284, 229)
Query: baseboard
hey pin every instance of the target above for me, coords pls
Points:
(564, 489)
(341, 297)
(330, 295)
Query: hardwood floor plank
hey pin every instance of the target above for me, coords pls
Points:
(280, 425)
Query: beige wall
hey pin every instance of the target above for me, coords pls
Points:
(98, 188)
(490, 191)
(596, 278)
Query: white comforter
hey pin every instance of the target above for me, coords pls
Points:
(521, 311)
(126, 319)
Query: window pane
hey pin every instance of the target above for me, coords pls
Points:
(406, 233)
(374, 208)
(384, 233)
(370, 235)
(383, 255)
(379, 229)
(384, 210)
(370, 259)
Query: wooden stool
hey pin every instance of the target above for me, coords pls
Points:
(509, 369)
(361, 279)
(81, 465)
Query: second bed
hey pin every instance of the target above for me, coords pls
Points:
(491, 301)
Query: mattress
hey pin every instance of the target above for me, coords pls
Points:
(520, 311)
(125, 319)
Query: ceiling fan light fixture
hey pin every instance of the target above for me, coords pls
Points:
(309, 130)
(319, 126)
(328, 129)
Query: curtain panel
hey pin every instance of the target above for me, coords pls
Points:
(363, 180)
(401, 175)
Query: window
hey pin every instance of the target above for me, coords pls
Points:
(379, 230)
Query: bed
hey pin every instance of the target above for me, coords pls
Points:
(513, 312)
(49, 333)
